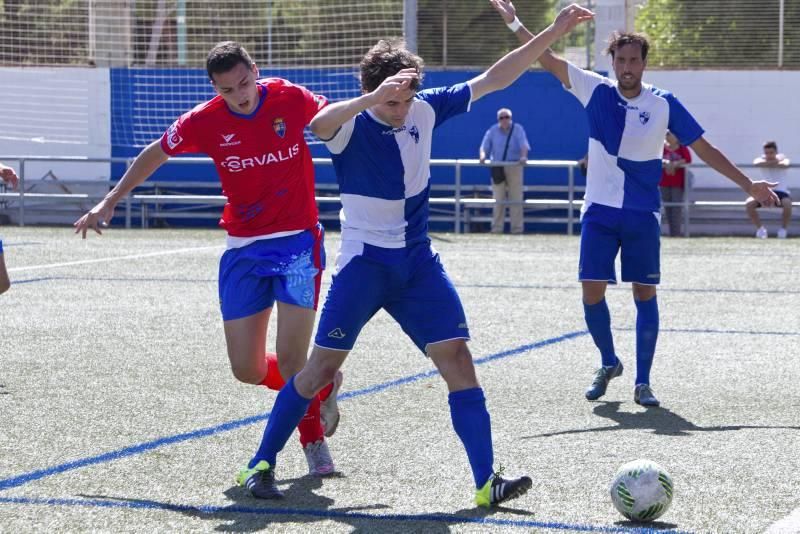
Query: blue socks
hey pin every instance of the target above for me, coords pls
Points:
(646, 336)
(289, 409)
(471, 423)
(598, 319)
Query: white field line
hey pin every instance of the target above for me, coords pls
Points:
(788, 525)
(114, 258)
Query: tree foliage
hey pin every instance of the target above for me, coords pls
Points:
(720, 34)
(476, 35)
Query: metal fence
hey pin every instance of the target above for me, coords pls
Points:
(739, 34)
(456, 205)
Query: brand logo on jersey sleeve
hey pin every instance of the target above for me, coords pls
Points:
(173, 139)
(279, 125)
(320, 101)
(644, 116)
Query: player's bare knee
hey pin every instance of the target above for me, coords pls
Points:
(643, 292)
(246, 373)
(291, 363)
(312, 379)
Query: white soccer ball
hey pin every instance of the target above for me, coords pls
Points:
(641, 490)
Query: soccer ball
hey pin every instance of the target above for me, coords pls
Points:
(641, 490)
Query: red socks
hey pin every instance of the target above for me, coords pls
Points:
(310, 426)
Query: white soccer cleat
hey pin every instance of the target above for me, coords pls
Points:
(761, 233)
(329, 409)
(319, 459)
(782, 233)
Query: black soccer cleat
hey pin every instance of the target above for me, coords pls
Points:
(260, 480)
(498, 489)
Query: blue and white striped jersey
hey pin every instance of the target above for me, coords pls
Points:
(626, 139)
(383, 172)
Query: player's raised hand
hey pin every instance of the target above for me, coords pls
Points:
(506, 10)
(95, 218)
(571, 16)
(762, 191)
(8, 175)
(393, 86)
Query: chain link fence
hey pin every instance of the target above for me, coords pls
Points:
(696, 34)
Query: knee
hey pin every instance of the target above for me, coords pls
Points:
(291, 363)
(457, 368)
(312, 379)
(246, 374)
(643, 293)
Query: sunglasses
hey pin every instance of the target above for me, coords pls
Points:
(504, 117)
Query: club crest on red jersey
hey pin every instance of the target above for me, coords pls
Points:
(279, 125)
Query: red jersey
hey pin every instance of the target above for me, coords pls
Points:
(262, 159)
(679, 178)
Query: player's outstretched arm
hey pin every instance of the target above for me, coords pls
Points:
(330, 118)
(550, 62)
(145, 164)
(760, 190)
(8, 175)
(509, 67)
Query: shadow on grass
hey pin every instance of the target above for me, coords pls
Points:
(661, 421)
(302, 506)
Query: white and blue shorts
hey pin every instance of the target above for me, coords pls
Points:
(409, 283)
(287, 269)
(605, 231)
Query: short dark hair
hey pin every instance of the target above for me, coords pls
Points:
(387, 58)
(225, 56)
(620, 39)
(771, 144)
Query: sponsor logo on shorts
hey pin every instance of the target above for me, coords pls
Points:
(336, 333)
(655, 275)
(463, 325)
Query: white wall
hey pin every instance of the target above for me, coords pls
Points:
(56, 112)
(739, 110)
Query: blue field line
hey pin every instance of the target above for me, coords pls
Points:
(22, 243)
(713, 331)
(330, 514)
(33, 280)
(25, 478)
(479, 361)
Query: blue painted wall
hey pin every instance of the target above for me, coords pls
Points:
(553, 119)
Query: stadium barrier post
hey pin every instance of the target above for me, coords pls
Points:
(128, 201)
(21, 192)
(687, 192)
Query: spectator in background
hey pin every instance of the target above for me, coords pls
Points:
(673, 180)
(7, 175)
(774, 168)
(506, 141)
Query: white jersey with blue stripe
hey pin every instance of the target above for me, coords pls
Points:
(384, 172)
(626, 139)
